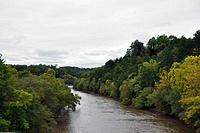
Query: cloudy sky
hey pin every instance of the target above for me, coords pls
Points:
(87, 33)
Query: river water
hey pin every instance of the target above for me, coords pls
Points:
(98, 114)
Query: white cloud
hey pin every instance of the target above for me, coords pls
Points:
(90, 32)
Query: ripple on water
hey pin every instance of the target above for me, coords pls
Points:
(103, 115)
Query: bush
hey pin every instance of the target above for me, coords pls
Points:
(142, 101)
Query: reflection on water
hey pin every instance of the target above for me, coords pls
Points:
(103, 115)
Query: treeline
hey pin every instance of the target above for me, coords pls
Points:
(69, 74)
(29, 102)
(162, 74)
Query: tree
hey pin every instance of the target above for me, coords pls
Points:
(153, 76)
(151, 47)
(4, 77)
(15, 110)
(197, 39)
(125, 92)
(92, 85)
(114, 92)
(155, 45)
(110, 64)
(142, 101)
(30, 103)
(190, 97)
(179, 90)
(166, 58)
(165, 97)
(148, 73)
(136, 49)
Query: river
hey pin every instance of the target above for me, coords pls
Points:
(98, 114)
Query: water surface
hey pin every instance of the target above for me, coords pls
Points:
(98, 114)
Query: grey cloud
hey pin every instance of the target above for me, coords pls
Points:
(33, 60)
(91, 64)
(96, 52)
(51, 53)
(17, 59)
(110, 53)
(90, 32)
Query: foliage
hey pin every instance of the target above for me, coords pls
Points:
(179, 90)
(69, 74)
(152, 75)
(190, 96)
(4, 124)
(4, 76)
(30, 103)
(163, 73)
(113, 90)
(142, 101)
(125, 92)
(148, 73)
(165, 97)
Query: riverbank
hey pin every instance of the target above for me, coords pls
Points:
(62, 122)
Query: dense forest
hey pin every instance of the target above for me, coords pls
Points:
(31, 99)
(69, 74)
(163, 74)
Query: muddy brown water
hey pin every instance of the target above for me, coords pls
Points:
(98, 114)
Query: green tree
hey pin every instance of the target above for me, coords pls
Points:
(142, 101)
(4, 77)
(148, 73)
(136, 49)
(166, 96)
(114, 92)
(30, 103)
(125, 93)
